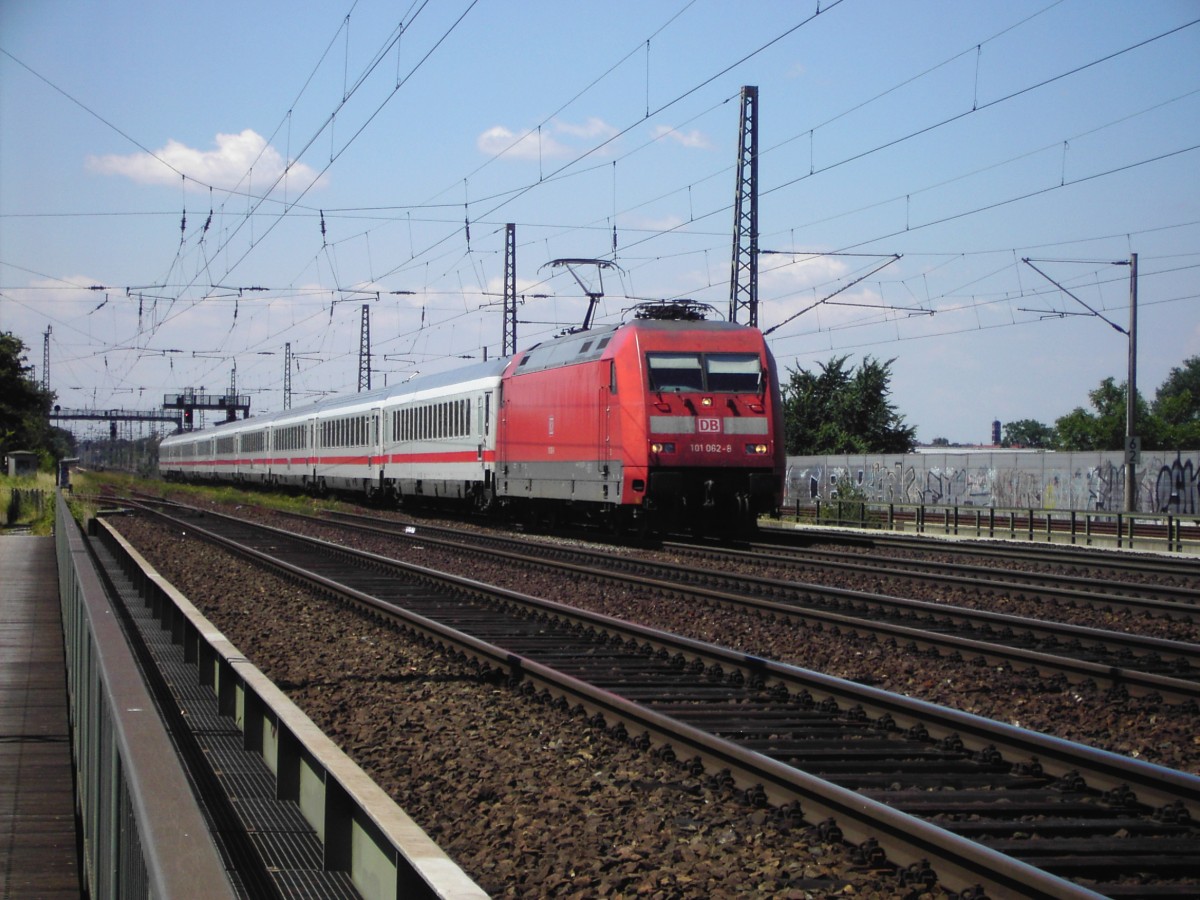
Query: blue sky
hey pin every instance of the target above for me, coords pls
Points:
(960, 137)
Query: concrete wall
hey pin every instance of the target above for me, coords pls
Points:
(1167, 480)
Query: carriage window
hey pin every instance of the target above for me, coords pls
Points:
(738, 373)
(675, 371)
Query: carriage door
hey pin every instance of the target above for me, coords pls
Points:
(608, 396)
(375, 457)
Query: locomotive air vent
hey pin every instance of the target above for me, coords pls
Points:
(673, 310)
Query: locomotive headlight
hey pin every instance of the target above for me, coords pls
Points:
(756, 449)
(667, 447)
(706, 401)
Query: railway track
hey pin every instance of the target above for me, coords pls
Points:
(977, 802)
(1157, 566)
(1175, 592)
(1171, 585)
(1142, 666)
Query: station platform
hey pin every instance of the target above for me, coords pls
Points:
(39, 847)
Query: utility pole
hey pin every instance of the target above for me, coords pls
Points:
(743, 277)
(287, 375)
(1132, 443)
(364, 351)
(510, 290)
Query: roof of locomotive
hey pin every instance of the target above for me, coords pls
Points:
(590, 345)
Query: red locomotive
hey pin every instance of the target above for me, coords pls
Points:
(663, 422)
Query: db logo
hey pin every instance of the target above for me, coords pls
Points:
(708, 426)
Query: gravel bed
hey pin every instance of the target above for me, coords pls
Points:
(1142, 728)
(529, 800)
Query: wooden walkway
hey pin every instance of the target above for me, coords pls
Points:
(38, 843)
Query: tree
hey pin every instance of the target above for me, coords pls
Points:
(24, 406)
(1027, 433)
(1105, 429)
(1177, 405)
(843, 411)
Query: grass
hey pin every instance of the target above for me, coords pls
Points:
(38, 519)
(98, 483)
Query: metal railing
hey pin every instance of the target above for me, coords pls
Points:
(1090, 528)
(143, 832)
(364, 833)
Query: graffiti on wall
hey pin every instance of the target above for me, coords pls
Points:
(1167, 481)
(1175, 487)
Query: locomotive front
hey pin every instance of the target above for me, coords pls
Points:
(706, 428)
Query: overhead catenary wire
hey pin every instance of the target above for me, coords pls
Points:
(448, 263)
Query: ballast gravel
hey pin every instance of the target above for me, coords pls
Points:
(529, 800)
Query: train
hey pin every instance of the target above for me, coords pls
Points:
(667, 421)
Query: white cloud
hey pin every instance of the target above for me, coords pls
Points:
(242, 161)
(693, 139)
(557, 140)
(592, 129)
(498, 140)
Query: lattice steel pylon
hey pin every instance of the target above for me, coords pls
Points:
(287, 375)
(364, 351)
(743, 276)
(46, 361)
(510, 290)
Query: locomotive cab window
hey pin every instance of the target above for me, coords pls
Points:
(675, 371)
(731, 373)
(735, 373)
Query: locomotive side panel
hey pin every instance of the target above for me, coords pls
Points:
(554, 434)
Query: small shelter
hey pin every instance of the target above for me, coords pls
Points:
(22, 463)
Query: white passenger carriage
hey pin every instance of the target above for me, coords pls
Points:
(430, 437)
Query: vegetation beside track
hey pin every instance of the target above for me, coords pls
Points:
(28, 503)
